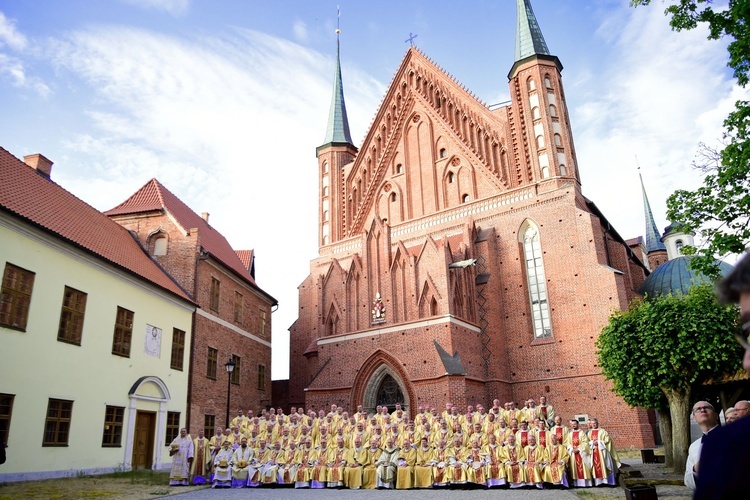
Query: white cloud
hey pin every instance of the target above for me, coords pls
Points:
(660, 93)
(299, 29)
(9, 35)
(228, 124)
(14, 69)
(172, 7)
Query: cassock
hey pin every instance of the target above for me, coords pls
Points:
(495, 465)
(304, 459)
(222, 470)
(476, 466)
(423, 467)
(514, 472)
(577, 444)
(182, 452)
(319, 472)
(241, 460)
(387, 463)
(458, 465)
(271, 467)
(201, 466)
(369, 469)
(407, 460)
(336, 461)
(287, 466)
(554, 472)
(441, 469)
(536, 458)
(602, 466)
(355, 457)
(255, 469)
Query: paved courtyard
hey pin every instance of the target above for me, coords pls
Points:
(663, 491)
(438, 494)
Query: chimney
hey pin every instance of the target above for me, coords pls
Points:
(39, 163)
(205, 216)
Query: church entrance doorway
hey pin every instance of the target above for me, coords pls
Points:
(143, 439)
(385, 388)
(389, 393)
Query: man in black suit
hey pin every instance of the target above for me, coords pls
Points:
(725, 458)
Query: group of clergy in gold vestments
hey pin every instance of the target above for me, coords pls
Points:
(504, 447)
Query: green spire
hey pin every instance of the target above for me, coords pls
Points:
(338, 124)
(529, 39)
(653, 241)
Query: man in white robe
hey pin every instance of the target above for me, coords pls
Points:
(181, 450)
(241, 459)
(387, 465)
(222, 467)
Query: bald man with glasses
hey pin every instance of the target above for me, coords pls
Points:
(741, 409)
(707, 419)
(725, 457)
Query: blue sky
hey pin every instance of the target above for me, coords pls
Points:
(224, 101)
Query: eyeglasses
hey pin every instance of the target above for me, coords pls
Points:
(703, 408)
(743, 336)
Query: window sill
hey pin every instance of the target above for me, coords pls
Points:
(543, 340)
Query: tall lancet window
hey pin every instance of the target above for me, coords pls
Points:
(537, 281)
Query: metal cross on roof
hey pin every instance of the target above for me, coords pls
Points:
(411, 38)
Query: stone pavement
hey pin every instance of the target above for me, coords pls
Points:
(667, 484)
(431, 494)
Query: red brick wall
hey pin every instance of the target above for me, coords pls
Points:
(181, 261)
(401, 248)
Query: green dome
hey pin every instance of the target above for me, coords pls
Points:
(674, 276)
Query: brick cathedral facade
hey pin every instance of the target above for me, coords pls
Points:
(459, 260)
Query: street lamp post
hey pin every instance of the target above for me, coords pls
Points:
(230, 368)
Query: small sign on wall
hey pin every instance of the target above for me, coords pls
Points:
(153, 341)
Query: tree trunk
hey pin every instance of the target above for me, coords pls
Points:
(679, 407)
(665, 429)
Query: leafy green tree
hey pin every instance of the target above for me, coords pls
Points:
(666, 346)
(718, 211)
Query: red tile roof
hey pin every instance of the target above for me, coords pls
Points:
(246, 257)
(38, 200)
(154, 196)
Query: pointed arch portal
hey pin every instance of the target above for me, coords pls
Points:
(384, 388)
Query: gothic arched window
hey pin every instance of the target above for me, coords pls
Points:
(389, 393)
(532, 252)
(160, 245)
